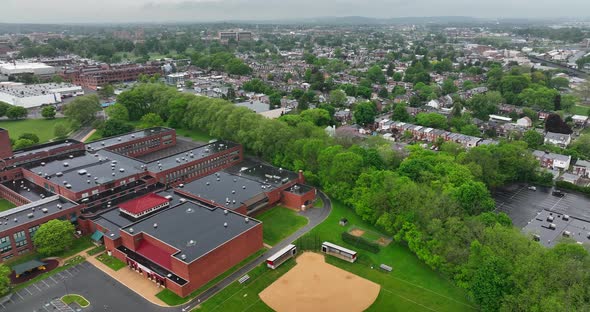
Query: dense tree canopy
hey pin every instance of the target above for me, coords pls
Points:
(54, 237)
(82, 110)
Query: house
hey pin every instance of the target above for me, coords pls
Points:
(343, 115)
(559, 139)
(434, 104)
(552, 160)
(330, 130)
(582, 168)
(524, 122)
(571, 178)
(580, 121)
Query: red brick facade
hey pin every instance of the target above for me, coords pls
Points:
(5, 147)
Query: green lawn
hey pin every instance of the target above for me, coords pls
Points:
(412, 286)
(319, 203)
(41, 127)
(244, 297)
(173, 299)
(95, 136)
(111, 261)
(96, 250)
(580, 110)
(280, 222)
(81, 301)
(196, 135)
(5, 205)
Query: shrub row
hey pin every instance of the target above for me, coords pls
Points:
(569, 186)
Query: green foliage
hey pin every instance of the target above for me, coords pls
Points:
(319, 117)
(360, 242)
(4, 108)
(118, 112)
(151, 120)
(482, 105)
(570, 186)
(449, 87)
(16, 112)
(114, 127)
(82, 110)
(375, 75)
(54, 237)
(29, 136)
(433, 120)
(338, 98)
(582, 146)
(4, 279)
(533, 139)
(22, 143)
(106, 91)
(365, 113)
(48, 112)
(60, 131)
(400, 113)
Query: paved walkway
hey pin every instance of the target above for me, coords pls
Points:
(132, 280)
(88, 135)
(315, 216)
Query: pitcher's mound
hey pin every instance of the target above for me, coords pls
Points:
(313, 285)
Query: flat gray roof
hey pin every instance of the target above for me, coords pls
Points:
(579, 229)
(193, 229)
(176, 160)
(104, 143)
(22, 214)
(221, 187)
(262, 173)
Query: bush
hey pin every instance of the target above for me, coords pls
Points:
(360, 242)
(569, 186)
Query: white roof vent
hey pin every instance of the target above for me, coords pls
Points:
(181, 185)
(191, 243)
(122, 170)
(225, 224)
(130, 230)
(30, 215)
(182, 200)
(247, 219)
(183, 257)
(225, 212)
(155, 225)
(66, 164)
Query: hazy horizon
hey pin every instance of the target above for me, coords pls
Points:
(137, 11)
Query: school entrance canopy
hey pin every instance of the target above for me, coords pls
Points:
(28, 266)
(96, 236)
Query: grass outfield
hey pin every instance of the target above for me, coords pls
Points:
(280, 222)
(244, 297)
(411, 286)
(5, 205)
(43, 128)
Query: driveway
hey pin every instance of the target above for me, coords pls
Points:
(104, 293)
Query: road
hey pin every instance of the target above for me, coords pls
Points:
(81, 133)
(315, 216)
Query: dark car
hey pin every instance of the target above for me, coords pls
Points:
(558, 193)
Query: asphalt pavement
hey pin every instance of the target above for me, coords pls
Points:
(522, 204)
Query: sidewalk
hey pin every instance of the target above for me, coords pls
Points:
(132, 280)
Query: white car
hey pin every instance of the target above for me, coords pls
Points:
(532, 188)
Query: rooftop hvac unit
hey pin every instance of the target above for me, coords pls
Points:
(552, 226)
(30, 215)
(182, 200)
(44, 210)
(536, 237)
(82, 172)
(567, 233)
(565, 217)
(550, 218)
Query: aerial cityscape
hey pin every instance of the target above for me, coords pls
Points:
(294, 156)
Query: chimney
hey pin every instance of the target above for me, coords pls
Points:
(301, 177)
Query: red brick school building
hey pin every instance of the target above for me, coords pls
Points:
(176, 213)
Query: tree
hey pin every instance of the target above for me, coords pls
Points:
(432, 120)
(16, 112)
(443, 66)
(22, 143)
(512, 85)
(54, 237)
(375, 75)
(482, 105)
(114, 127)
(151, 120)
(4, 108)
(30, 136)
(555, 124)
(582, 146)
(237, 67)
(106, 91)
(4, 279)
(338, 98)
(365, 113)
(471, 130)
(48, 112)
(82, 110)
(189, 84)
(541, 97)
(533, 139)
(118, 112)
(60, 131)
(449, 87)
(560, 83)
(397, 76)
(400, 113)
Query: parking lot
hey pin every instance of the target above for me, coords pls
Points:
(104, 293)
(522, 204)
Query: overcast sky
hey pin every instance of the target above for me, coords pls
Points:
(44, 11)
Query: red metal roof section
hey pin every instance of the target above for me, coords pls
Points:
(141, 204)
(155, 254)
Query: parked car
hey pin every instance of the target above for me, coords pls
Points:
(532, 188)
(558, 193)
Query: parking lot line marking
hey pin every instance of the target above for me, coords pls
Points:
(69, 272)
(51, 277)
(39, 289)
(3, 307)
(16, 292)
(557, 203)
(45, 284)
(30, 293)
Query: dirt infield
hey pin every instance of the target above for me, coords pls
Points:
(357, 232)
(313, 285)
